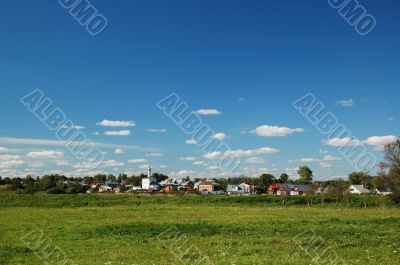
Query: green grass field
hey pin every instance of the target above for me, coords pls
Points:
(123, 229)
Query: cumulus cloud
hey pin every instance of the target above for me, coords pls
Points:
(255, 160)
(275, 131)
(119, 151)
(118, 133)
(137, 161)
(346, 103)
(157, 130)
(380, 140)
(377, 141)
(143, 167)
(185, 172)
(108, 123)
(3, 149)
(191, 141)
(188, 158)
(208, 112)
(46, 154)
(323, 151)
(78, 127)
(198, 163)
(219, 136)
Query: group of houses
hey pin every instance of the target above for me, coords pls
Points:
(206, 186)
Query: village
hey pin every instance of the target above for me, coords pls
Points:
(149, 184)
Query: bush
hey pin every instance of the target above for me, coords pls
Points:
(55, 191)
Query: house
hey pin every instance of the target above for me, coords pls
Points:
(298, 190)
(383, 191)
(241, 189)
(109, 187)
(169, 185)
(208, 187)
(288, 189)
(358, 189)
(279, 189)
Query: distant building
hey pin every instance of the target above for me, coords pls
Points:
(208, 186)
(358, 189)
(150, 182)
(288, 189)
(241, 189)
(383, 191)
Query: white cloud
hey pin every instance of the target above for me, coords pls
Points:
(212, 167)
(45, 142)
(255, 160)
(185, 173)
(9, 161)
(250, 152)
(108, 123)
(96, 133)
(9, 157)
(323, 151)
(219, 136)
(325, 164)
(62, 163)
(3, 149)
(188, 158)
(78, 127)
(112, 163)
(154, 155)
(273, 131)
(119, 151)
(94, 164)
(377, 141)
(137, 161)
(118, 133)
(347, 141)
(241, 99)
(163, 166)
(198, 163)
(157, 130)
(332, 158)
(46, 154)
(240, 152)
(191, 141)
(207, 112)
(346, 103)
(380, 140)
(304, 160)
(212, 155)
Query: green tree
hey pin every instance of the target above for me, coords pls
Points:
(360, 178)
(306, 175)
(267, 179)
(284, 178)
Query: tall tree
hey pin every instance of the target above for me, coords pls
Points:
(306, 175)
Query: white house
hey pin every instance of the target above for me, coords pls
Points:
(383, 191)
(358, 189)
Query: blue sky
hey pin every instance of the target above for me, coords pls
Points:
(249, 60)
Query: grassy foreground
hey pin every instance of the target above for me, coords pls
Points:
(123, 229)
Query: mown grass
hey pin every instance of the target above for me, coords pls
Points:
(230, 230)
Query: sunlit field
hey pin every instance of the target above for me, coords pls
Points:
(224, 232)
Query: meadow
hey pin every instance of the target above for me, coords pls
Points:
(131, 229)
